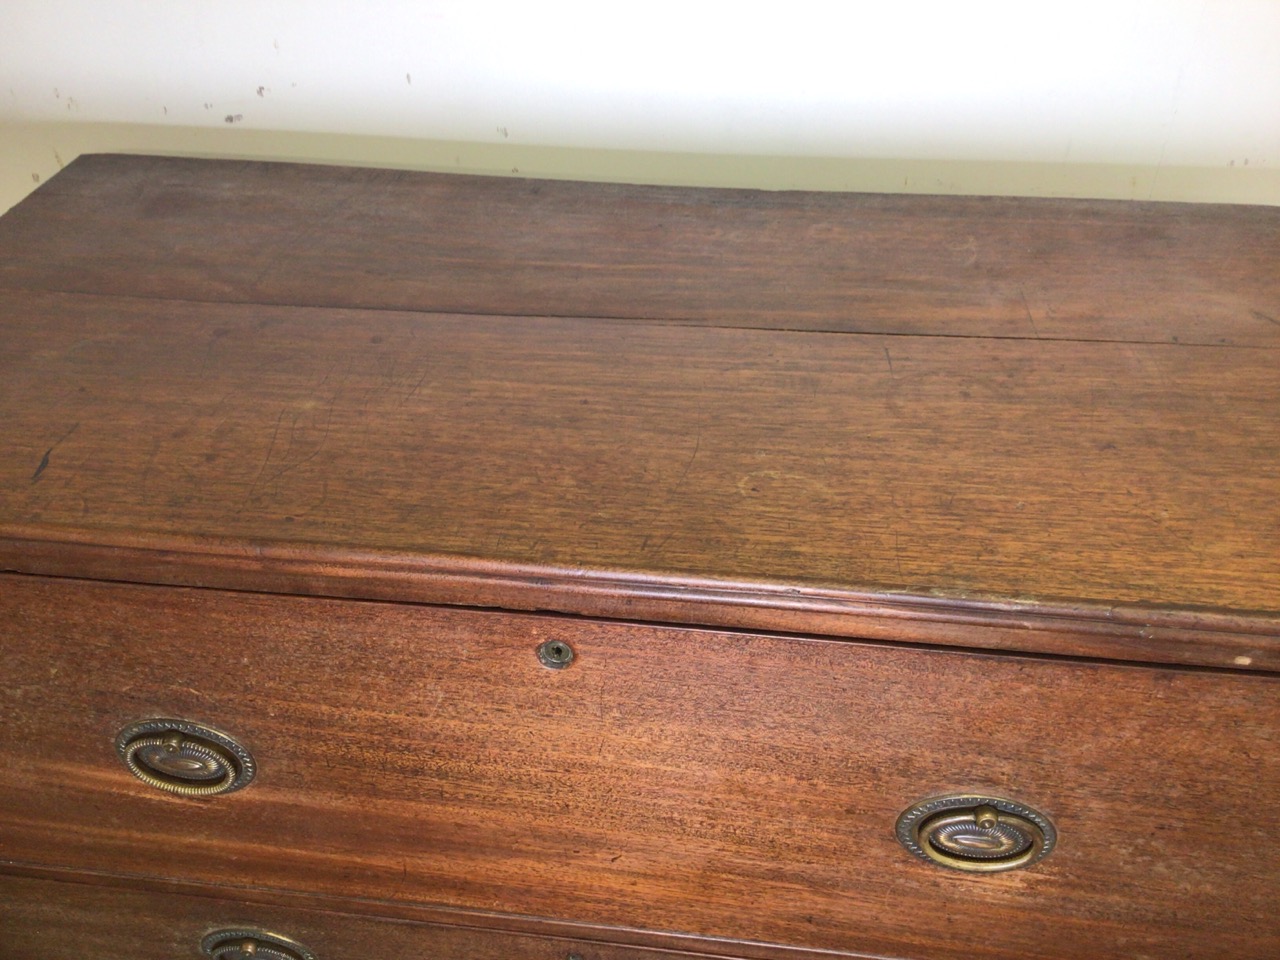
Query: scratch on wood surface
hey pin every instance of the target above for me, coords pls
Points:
(435, 707)
(44, 461)
(293, 433)
(1027, 307)
(416, 387)
(253, 488)
(697, 445)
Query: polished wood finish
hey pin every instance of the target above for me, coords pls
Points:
(735, 786)
(842, 501)
(664, 944)
(46, 919)
(1116, 499)
(336, 236)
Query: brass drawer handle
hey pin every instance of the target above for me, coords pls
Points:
(185, 758)
(976, 833)
(242, 944)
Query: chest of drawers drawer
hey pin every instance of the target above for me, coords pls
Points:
(558, 570)
(737, 785)
(46, 918)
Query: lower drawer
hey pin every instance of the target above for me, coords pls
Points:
(52, 920)
(723, 785)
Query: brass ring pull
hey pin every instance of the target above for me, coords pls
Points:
(185, 758)
(976, 833)
(241, 944)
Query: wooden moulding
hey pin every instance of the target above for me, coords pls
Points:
(1188, 638)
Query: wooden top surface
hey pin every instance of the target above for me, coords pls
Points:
(295, 235)
(653, 406)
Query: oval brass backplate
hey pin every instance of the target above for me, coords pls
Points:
(976, 833)
(189, 759)
(238, 943)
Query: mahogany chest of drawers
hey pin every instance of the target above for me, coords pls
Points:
(405, 565)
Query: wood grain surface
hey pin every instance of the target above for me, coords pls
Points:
(53, 920)
(336, 236)
(692, 433)
(520, 935)
(730, 786)
(1009, 484)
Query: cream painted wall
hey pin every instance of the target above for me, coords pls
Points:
(1148, 99)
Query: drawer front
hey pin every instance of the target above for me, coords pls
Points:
(51, 920)
(720, 784)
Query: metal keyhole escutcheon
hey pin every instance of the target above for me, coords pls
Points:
(555, 654)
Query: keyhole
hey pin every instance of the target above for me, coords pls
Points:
(555, 654)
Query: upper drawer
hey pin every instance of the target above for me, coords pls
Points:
(725, 785)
